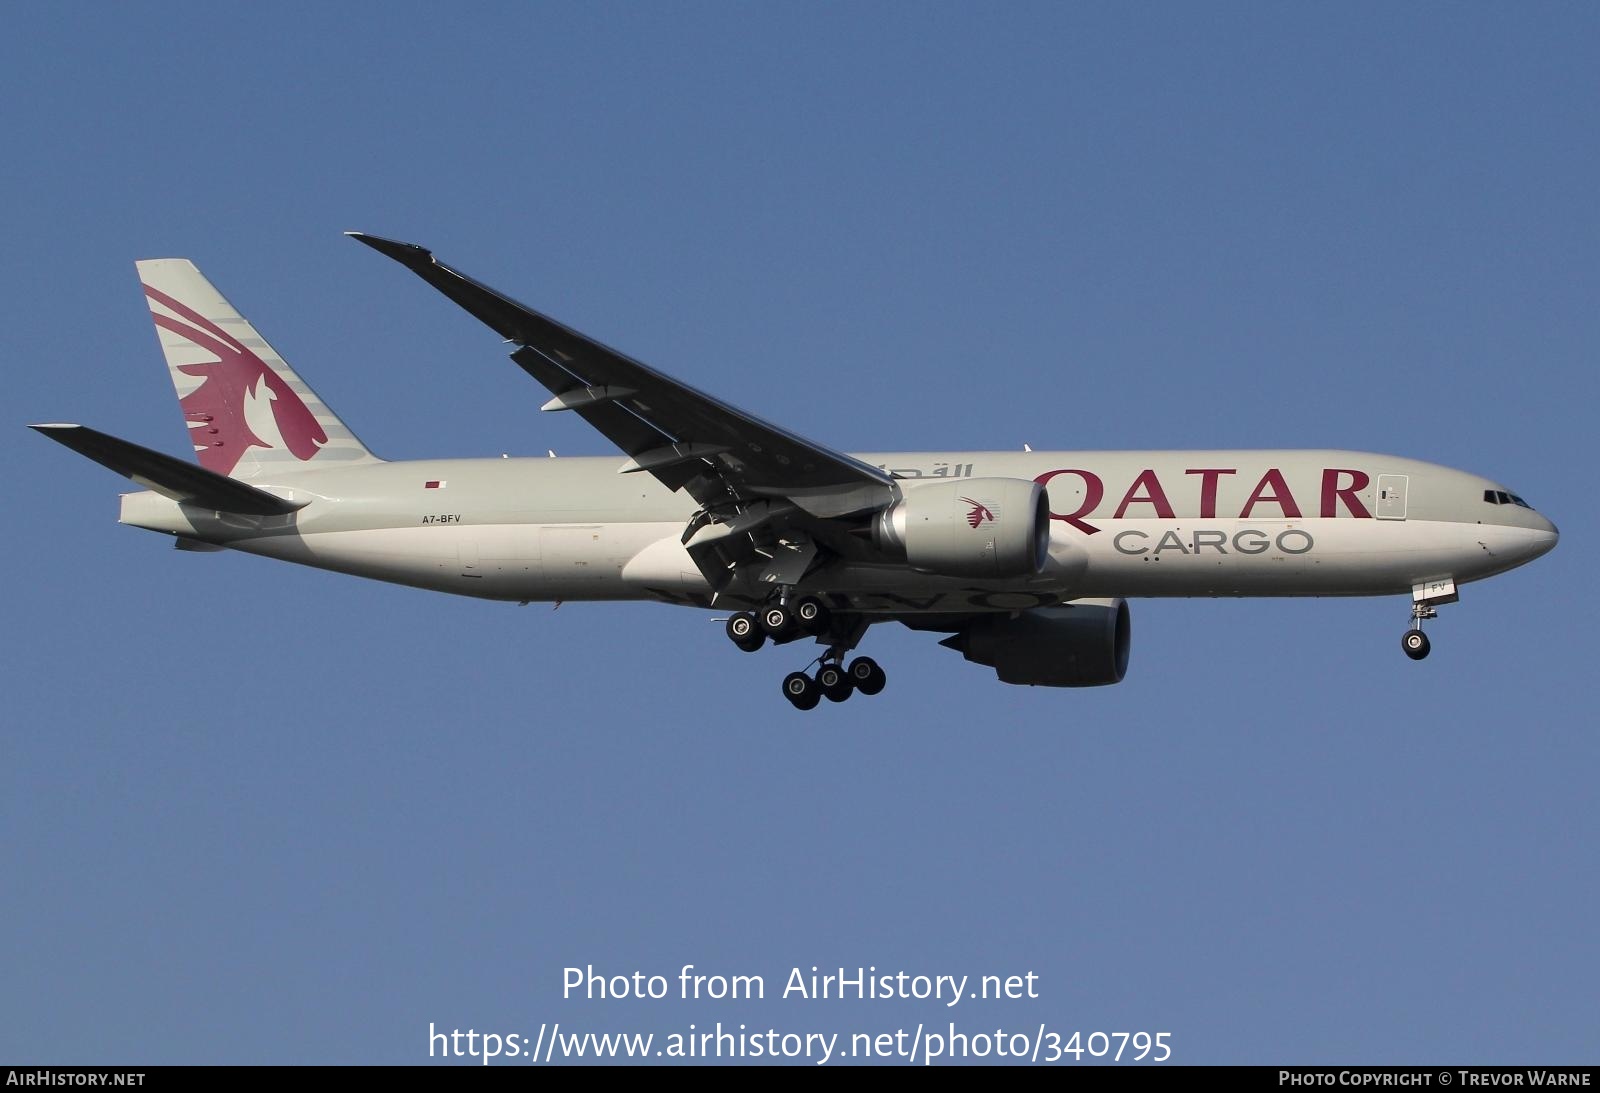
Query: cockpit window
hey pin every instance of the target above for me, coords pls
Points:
(1491, 497)
(1515, 500)
(1501, 497)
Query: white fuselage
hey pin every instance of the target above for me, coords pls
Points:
(1130, 524)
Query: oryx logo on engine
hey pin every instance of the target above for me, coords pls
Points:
(979, 515)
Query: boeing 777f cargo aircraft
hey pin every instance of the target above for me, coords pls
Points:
(1023, 559)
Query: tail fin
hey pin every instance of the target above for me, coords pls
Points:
(248, 413)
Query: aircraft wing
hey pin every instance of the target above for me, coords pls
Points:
(728, 460)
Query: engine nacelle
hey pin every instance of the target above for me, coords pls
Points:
(1083, 644)
(969, 527)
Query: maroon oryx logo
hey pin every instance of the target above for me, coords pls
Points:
(980, 512)
(216, 407)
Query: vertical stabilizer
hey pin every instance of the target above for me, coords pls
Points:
(248, 413)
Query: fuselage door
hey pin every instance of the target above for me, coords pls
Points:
(1392, 496)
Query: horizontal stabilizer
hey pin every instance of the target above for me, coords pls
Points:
(176, 478)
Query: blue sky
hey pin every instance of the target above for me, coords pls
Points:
(254, 813)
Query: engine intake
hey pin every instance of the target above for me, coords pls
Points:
(1083, 644)
(970, 527)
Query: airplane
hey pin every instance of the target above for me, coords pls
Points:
(1023, 560)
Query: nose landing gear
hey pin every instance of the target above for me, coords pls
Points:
(1426, 598)
(1416, 644)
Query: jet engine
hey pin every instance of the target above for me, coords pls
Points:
(969, 527)
(1082, 644)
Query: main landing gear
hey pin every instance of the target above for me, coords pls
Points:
(834, 681)
(783, 621)
(779, 622)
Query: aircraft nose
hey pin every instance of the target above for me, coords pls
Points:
(1545, 535)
